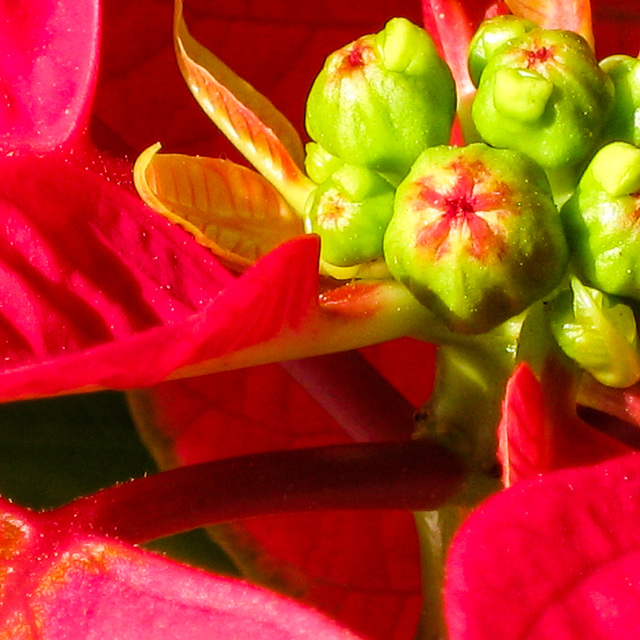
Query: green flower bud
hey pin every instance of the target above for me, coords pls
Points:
(490, 37)
(624, 121)
(543, 94)
(601, 220)
(350, 212)
(379, 101)
(599, 333)
(475, 235)
(319, 163)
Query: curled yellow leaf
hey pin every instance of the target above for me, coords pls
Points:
(247, 118)
(228, 208)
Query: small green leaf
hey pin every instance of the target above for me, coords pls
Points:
(599, 333)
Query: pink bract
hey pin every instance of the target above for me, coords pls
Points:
(64, 583)
(555, 557)
(48, 69)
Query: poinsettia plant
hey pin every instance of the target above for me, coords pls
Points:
(102, 292)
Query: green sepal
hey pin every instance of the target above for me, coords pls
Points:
(319, 163)
(617, 168)
(599, 333)
(521, 94)
(601, 222)
(624, 120)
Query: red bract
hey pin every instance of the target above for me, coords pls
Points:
(164, 304)
(553, 557)
(99, 291)
(62, 582)
(540, 430)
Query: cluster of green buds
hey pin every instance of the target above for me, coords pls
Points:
(374, 107)
(541, 206)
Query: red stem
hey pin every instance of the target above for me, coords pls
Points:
(415, 475)
(354, 393)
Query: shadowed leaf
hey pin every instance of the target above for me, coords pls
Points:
(361, 568)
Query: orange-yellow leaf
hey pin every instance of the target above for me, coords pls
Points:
(228, 208)
(250, 121)
(571, 15)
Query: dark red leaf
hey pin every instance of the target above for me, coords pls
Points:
(278, 47)
(361, 568)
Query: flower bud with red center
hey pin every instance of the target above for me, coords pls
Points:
(379, 101)
(475, 235)
(543, 94)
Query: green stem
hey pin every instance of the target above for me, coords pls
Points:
(464, 409)
(436, 530)
(463, 413)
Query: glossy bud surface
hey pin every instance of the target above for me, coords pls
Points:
(475, 235)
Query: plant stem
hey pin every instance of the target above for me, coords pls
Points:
(436, 530)
(414, 475)
(354, 393)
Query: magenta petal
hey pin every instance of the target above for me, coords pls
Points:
(97, 290)
(48, 64)
(57, 583)
(101, 590)
(557, 558)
